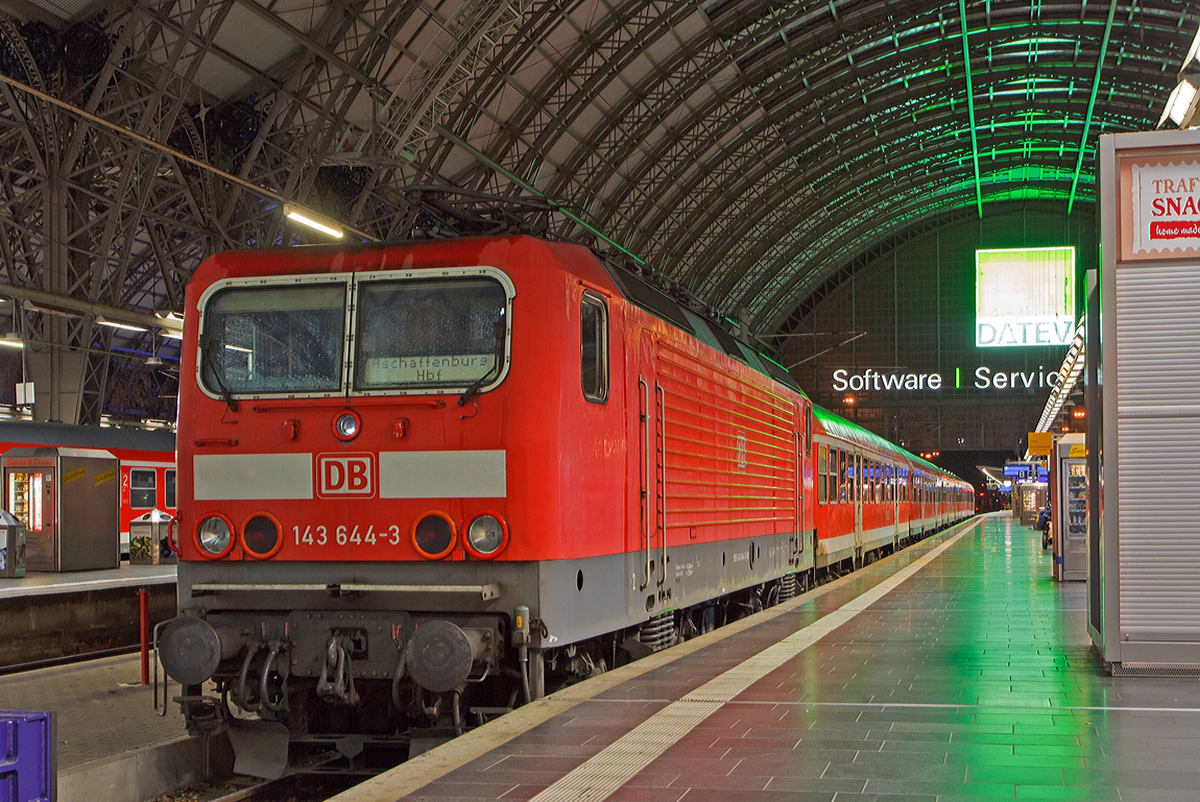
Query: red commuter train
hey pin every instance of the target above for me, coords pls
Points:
(147, 469)
(423, 479)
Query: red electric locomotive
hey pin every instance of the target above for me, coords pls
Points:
(428, 479)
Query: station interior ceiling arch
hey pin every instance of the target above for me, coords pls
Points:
(761, 153)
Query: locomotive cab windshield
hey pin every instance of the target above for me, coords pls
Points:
(411, 334)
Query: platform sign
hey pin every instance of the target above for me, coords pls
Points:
(1016, 469)
(1040, 443)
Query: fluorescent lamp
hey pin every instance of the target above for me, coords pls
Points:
(1193, 51)
(1180, 102)
(172, 335)
(122, 326)
(11, 340)
(307, 218)
(238, 348)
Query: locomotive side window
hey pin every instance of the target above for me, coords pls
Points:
(273, 339)
(593, 335)
(822, 479)
(169, 489)
(429, 334)
(142, 488)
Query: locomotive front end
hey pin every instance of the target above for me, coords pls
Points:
(347, 557)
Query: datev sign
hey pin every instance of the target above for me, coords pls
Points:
(1024, 297)
(985, 379)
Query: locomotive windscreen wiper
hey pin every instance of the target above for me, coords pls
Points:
(499, 329)
(208, 346)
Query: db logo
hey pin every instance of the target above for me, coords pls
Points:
(345, 475)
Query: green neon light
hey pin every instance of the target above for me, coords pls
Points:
(962, 13)
(1087, 124)
(957, 378)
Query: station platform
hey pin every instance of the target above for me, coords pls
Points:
(957, 669)
(50, 617)
(37, 583)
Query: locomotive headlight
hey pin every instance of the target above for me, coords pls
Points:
(215, 536)
(486, 536)
(346, 425)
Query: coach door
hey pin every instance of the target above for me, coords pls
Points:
(796, 542)
(858, 505)
(893, 487)
(652, 569)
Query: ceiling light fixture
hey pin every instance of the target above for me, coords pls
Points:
(312, 220)
(1181, 106)
(123, 326)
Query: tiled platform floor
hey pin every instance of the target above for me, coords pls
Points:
(972, 679)
(101, 708)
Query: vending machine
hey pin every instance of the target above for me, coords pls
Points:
(1068, 503)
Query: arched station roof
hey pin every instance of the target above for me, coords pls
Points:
(748, 149)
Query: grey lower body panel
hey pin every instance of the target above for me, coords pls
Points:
(568, 600)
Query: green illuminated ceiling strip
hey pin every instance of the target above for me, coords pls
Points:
(962, 13)
(1087, 123)
(530, 188)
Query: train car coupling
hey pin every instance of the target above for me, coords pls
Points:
(338, 662)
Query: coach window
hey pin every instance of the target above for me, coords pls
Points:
(843, 478)
(593, 335)
(833, 475)
(835, 469)
(169, 489)
(142, 488)
(822, 485)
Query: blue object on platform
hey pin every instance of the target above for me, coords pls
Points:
(27, 770)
